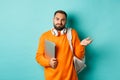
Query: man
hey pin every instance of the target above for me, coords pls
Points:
(61, 67)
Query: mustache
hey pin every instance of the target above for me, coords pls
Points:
(58, 24)
(59, 28)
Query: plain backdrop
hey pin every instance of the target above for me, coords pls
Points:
(22, 22)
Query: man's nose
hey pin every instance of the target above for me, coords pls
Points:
(60, 22)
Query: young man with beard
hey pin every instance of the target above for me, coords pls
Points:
(61, 67)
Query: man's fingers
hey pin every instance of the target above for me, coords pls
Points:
(88, 38)
(53, 59)
(53, 62)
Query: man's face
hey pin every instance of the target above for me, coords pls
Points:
(59, 21)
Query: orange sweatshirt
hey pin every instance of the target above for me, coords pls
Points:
(65, 69)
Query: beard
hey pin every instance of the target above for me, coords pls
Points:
(59, 28)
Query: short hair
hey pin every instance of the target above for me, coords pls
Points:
(60, 11)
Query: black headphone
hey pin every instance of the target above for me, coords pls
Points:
(55, 32)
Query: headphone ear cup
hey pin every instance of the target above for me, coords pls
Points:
(63, 31)
(54, 32)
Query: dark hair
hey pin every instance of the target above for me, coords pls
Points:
(61, 11)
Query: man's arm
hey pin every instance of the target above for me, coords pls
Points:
(78, 49)
(40, 55)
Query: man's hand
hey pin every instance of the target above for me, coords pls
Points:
(53, 62)
(86, 41)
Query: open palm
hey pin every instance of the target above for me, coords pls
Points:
(86, 41)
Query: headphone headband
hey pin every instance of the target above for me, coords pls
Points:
(55, 32)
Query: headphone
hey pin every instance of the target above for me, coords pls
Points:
(55, 32)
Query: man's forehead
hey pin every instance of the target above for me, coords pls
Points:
(60, 15)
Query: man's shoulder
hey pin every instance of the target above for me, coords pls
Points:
(73, 30)
(47, 33)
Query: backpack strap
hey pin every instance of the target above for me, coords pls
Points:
(69, 37)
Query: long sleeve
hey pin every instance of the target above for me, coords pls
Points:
(79, 50)
(65, 69)
(40, 55)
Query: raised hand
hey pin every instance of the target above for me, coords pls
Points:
(86, 41)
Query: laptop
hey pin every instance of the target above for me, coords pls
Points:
(50, 48)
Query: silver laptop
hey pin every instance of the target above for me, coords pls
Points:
(50, 48)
